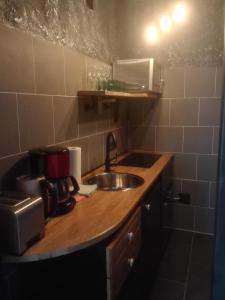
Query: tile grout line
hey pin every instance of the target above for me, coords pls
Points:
(188, 230)
(213, 137)
(18, 122)
(188, 268)
(170, 105)
(196, 166)
(53, 120)
(39, 94)
(34, 73)
(199, 107)
(210, 190)
(58, 143)
(173, 126)
(64, 71)
(182, 139)
(215, 81)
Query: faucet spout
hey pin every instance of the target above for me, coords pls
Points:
(111, 144)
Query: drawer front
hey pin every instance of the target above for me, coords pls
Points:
(123, 239)
(121, 268)
(121, 257)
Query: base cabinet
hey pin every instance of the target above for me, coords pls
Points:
(152, 222)
(121, 254)
(114, 269)
(143, 273)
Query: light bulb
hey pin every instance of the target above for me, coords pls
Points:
(180, 13)
(165, 23)
(152, 34)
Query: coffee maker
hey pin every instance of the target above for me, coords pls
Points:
(57, 187)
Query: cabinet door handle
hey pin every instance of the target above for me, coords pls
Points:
(148, 207)
(130, 261)
(130, 236)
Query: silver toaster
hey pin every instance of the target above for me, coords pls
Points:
(22, 222)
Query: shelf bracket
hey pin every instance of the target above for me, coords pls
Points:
(99, 102)
(96, 104)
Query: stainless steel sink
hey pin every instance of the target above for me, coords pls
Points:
(115, 181)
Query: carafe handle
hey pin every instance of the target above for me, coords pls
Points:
(49, 197)
(75, 185)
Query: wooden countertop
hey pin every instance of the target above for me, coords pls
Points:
(92, 219)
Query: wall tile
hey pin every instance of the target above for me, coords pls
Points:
(199, 192)
(122, 140)
(209, 112)
(169, 139)
(216, 136)
(9, 136)
(170, 185)
(16, 61)
(49, 68)
(135, 112)
(10, 168)
(207, 167)
(219, 82)
(118, 114)
(178, 216)
(198, 140)
(168, 182)
(103, 120)
(142, 138)
(185, 166)
(177, 185)
(95, 151)
(213, 196)
(87, 118)
(205, 220)
(36, 121)
(75, 73)
(156, 112)
(83, 144)
(200, 81)
(65, 118)
(174, 83)
(184, 112)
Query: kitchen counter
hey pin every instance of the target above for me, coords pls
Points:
(93, 219)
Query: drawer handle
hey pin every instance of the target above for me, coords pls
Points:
(148, 207)
(130, 236)
(130, 261)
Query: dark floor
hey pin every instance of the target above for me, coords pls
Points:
(185, 269)
(184, 272)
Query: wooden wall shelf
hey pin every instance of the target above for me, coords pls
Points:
(121, 95)
(109, 97)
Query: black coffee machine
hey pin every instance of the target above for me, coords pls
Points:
(58, 187)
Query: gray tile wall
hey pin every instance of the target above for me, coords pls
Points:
(39, 104)
(186, 122)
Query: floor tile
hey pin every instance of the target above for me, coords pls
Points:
(199, 287)
(199, 281)
(174, 263)
(167, 290)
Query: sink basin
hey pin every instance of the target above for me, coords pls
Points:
(115, 181)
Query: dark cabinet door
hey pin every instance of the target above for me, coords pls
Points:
(151, 223)
(143, 274)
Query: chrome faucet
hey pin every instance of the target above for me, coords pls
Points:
(110, 145)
